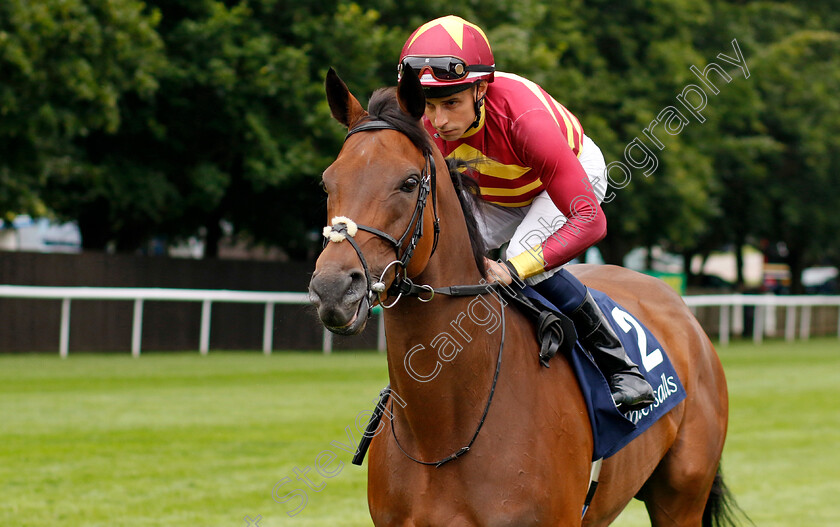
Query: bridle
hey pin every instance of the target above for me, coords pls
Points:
(343, 228)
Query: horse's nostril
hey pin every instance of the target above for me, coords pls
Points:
(357, 280)
(341, 288)
(357, 286)
(314, 298)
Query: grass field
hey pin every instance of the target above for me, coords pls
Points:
(180, 439)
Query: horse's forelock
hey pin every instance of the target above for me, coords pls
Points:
(385, 106)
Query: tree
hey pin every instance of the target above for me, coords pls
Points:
(802, 113)
(622, 67)
(760, 156)
(176, 117)
(64, 66)
(237, 132)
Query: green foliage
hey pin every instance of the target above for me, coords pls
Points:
(238, 128)
(165, 118)
(799, 85)
(64, 66)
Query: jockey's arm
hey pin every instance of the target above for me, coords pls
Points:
(545, 148)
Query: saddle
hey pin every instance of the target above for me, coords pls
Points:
(555, 331)
(556, 334)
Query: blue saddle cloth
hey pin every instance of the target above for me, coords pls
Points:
(611, 429)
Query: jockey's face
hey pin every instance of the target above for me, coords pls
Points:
(452, 115)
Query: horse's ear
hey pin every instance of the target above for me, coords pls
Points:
(410, 94)
(344, 107)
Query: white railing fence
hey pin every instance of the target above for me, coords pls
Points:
(731, 310)
(139, 295)
(764, 320)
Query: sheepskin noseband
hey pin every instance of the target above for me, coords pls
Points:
(340, 227)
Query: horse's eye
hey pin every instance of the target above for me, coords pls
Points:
(410, 184)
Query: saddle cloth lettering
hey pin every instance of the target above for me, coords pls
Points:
(611, 429)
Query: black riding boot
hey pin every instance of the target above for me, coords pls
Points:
(629, 388)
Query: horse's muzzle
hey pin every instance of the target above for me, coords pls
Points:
(341, 299)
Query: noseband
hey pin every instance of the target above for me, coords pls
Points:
(343, 228)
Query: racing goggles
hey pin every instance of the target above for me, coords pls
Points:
(444, 69)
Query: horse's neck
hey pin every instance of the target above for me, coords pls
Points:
(441, 354)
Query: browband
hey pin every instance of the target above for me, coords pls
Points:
(373, 124)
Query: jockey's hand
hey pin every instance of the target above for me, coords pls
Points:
(497, 272)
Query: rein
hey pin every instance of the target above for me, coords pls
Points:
(343, 228)
(465, 449)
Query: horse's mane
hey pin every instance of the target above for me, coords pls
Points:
(384, 106)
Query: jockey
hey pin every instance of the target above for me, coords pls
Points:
(541, 179)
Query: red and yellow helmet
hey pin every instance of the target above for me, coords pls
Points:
(448, 51)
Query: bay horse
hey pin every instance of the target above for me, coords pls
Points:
(530, 464)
